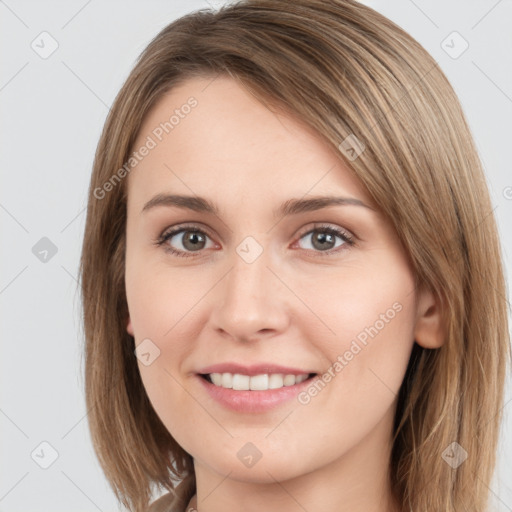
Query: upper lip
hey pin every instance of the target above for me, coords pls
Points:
(253, 369)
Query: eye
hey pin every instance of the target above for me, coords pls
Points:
(192, 239)
(183, 241)
(322, 239)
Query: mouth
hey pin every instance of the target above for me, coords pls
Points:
(256, 393)
(260, 382)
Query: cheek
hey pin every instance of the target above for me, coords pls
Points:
(367, 328)
(372, 315)
(164, 308)
(161, 302)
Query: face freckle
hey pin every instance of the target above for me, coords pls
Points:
(252, 296)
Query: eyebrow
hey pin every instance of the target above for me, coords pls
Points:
(289, 207)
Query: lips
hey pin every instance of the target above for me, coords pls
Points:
(254, 369)
(253, 388)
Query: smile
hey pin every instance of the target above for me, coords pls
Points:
(256, 389)
(262, 382)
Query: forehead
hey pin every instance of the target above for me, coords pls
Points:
(210, 135)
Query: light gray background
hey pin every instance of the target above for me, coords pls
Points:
(53, 110)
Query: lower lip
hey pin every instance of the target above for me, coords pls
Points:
(253, 401)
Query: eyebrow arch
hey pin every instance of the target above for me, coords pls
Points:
(289, 207)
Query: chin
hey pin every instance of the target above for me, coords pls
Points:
(266, 470)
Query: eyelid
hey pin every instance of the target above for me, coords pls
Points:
(328, 227)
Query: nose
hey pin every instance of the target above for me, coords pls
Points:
(251, 301)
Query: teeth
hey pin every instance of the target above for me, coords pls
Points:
(275, 381)
(216, 378)
(261, 382)
(289, 380)
(241, 382)
(226, 380)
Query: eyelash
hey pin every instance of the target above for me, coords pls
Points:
(344, 235)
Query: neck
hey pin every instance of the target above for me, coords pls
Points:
(358, 481)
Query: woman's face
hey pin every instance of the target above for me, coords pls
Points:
(264, 283)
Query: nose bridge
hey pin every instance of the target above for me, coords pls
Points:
(250, 271)
(249, 300)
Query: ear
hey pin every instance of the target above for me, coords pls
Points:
(129, 327)
(429, 331)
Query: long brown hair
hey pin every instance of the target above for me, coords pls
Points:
(345, 70)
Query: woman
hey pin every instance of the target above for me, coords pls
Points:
(291, 276)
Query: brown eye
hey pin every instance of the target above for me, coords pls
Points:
(193, 240)
(183, 241)
(326, 239)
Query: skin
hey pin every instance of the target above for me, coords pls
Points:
(294, 305)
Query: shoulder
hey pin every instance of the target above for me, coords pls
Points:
(166, 503)
(177, 501)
